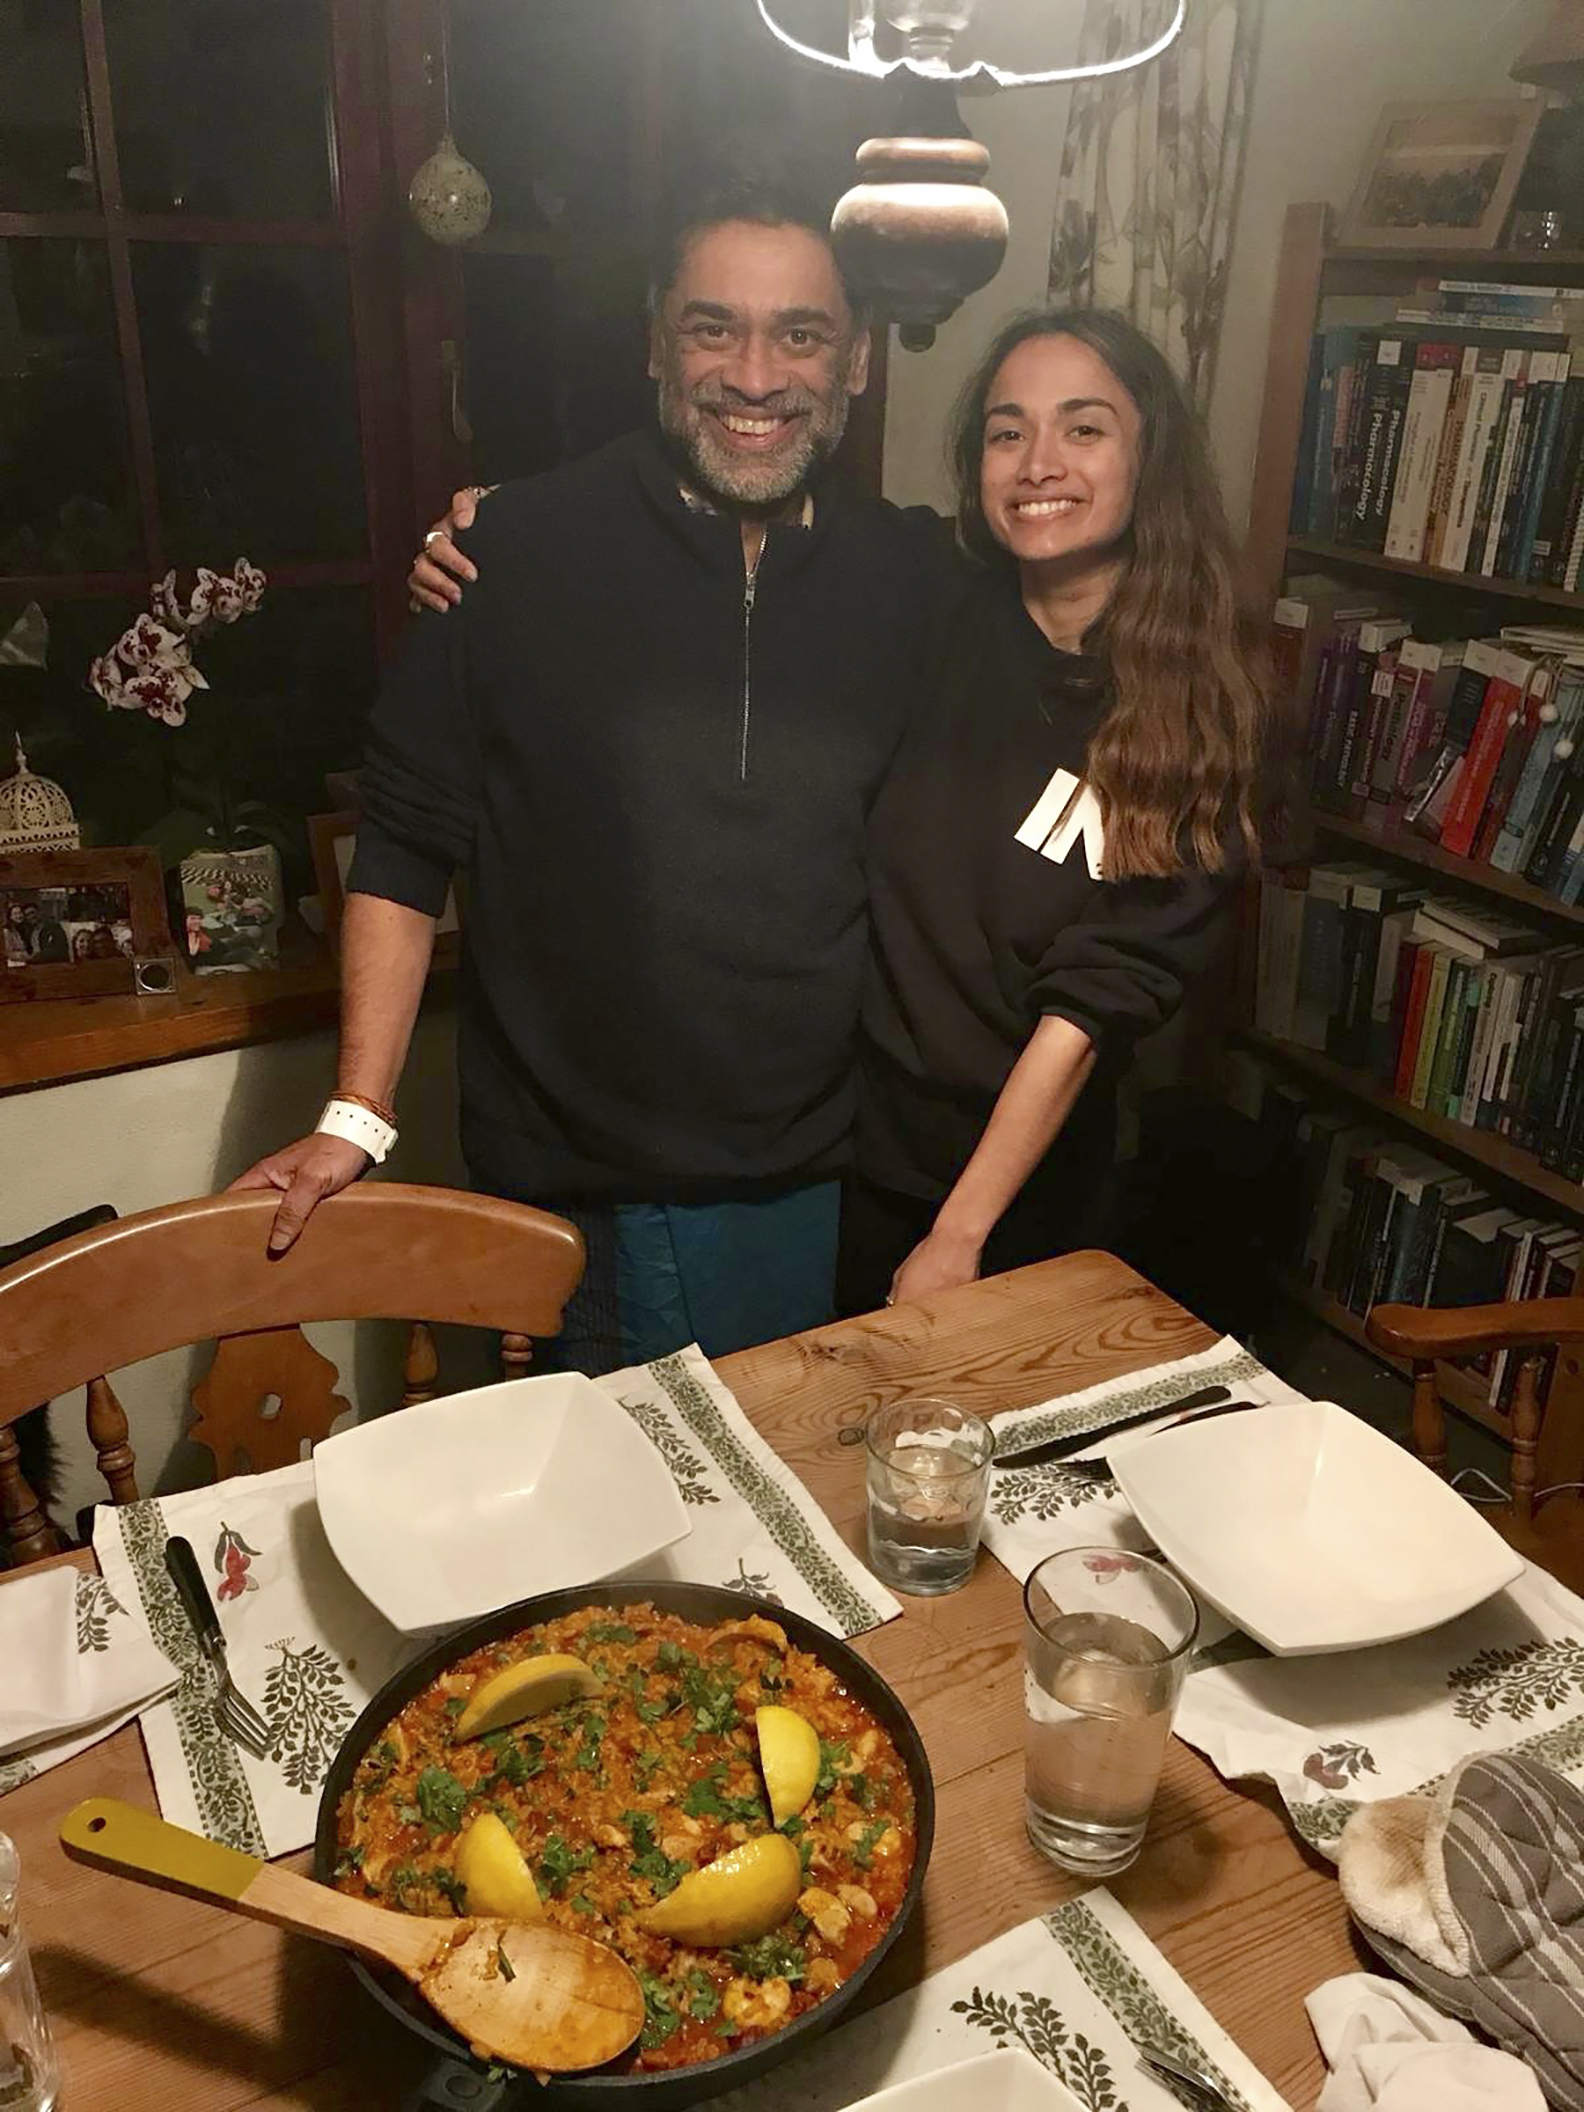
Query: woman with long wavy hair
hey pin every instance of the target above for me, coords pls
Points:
(1054, 849)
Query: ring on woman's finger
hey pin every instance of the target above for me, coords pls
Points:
(890, 1301)
(433, 536)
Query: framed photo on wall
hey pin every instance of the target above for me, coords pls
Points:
(1440, 175)
(82, 923)
(333, 838)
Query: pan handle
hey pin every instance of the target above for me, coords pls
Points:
(452, 2086)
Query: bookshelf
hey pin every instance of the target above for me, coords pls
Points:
(1517, 1169)
(1341, 558)
(1311, 268)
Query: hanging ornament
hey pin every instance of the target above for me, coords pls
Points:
(35, 814)
(448, 197)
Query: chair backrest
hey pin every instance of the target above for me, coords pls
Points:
(198, 1271)
(1536, 1404)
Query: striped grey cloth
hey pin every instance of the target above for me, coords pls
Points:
(1475, 1895)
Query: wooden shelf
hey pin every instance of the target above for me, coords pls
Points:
(1462, 1390)
(1474, 583)
(50, 1041)
(1521, 1168)
(1403, 844)
(1542, 264)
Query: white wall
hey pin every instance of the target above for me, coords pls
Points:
(147, 1137)
(1323, 69)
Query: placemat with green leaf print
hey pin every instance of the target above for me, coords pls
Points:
(1078, 1989)
(1336, 1731)
(309, 1650)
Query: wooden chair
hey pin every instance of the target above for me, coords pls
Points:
(1546, 1435)
(197, 1271)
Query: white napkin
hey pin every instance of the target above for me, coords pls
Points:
(89, 1666)
(1080, 1990)
(1389, 2051)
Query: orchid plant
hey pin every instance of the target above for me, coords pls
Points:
(151, 669)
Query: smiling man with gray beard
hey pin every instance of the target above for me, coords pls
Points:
(648, 741)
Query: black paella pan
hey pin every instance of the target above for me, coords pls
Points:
(454, 2077)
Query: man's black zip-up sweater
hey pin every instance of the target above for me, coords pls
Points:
(655, 775)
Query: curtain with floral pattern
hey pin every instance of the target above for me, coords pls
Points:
(1149, 174)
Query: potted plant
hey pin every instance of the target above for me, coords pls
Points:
(227, 849)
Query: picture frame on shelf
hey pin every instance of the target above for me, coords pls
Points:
(1441, 175)
(83, 924)
(333, 838)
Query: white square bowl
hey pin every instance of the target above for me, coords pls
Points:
(1008, 2081)
(1311, 1530)
(453, 1508)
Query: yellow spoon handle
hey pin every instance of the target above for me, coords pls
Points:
(109, 1835)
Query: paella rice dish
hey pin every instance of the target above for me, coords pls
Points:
(708, 1800)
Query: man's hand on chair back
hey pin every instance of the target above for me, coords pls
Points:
(303, 1175)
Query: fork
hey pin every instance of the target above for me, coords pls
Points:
(238, 1718)
(1175, 2069)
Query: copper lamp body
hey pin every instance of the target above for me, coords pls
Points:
(919, 230)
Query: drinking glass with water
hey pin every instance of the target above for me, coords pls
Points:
(1108, 1636)
(929, 1469)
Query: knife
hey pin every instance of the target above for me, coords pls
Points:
(1061, 1447)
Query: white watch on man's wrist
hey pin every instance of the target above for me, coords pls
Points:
(344, 1118)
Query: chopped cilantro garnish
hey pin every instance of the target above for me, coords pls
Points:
(712, 1697)
(671, 1657)
(832, 1759)
(611, 1632)
(441, 1798)
(380, 1764)
(503, 1964)
(587, 1756)
(582, 1904)
(455, 1704)
(661, 2015)
(772, 1957)
(705, 1799)
(451, 1885)
(349, 1860)
(516, 1761)
(703, 1997)
(652, 1711)
(404, 1879)
(559, 1862)
(409, 1814)
(649, 1858)
(646, 1766)
(867, 1839)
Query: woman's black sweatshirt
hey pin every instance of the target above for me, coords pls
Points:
(977, 936)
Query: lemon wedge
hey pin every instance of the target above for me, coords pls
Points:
(491, 1867)
(527, 1688)
(789, 1758)
(739, 1896)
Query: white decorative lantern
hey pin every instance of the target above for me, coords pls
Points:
(35, 814)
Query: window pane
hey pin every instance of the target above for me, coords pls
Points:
(45, 163)
(66, 501)
(221, 106)
(555, 360)
(251, 392)
(733, 95)
(288, 697)
(542, 102)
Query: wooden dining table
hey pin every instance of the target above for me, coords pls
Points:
(158, 2003)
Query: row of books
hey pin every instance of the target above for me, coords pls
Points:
(1450, 434)
(1474, 744)
(1377, 1221)
(1453, 1009)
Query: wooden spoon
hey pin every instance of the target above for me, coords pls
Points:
(522, 1992)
